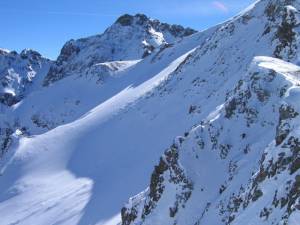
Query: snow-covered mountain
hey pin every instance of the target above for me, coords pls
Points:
(129, 38)
(97, 60)
(80, 145)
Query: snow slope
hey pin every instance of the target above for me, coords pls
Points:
(87, 142)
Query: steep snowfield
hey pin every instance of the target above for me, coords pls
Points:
(81, 145)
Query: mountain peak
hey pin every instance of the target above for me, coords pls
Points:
(127, 19)
(140, 19)
(140, 32)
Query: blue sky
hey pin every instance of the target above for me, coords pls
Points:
(45, 25)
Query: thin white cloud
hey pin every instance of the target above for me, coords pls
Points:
(220, 6)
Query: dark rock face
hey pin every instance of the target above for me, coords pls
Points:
(272, 169)
(125, 20)
(177, 176)
(5, 140)
(141, 19)
(9, 99)
(168, 167)
(128, 215)
(69, 49)
(286, 113)
(286, 34)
